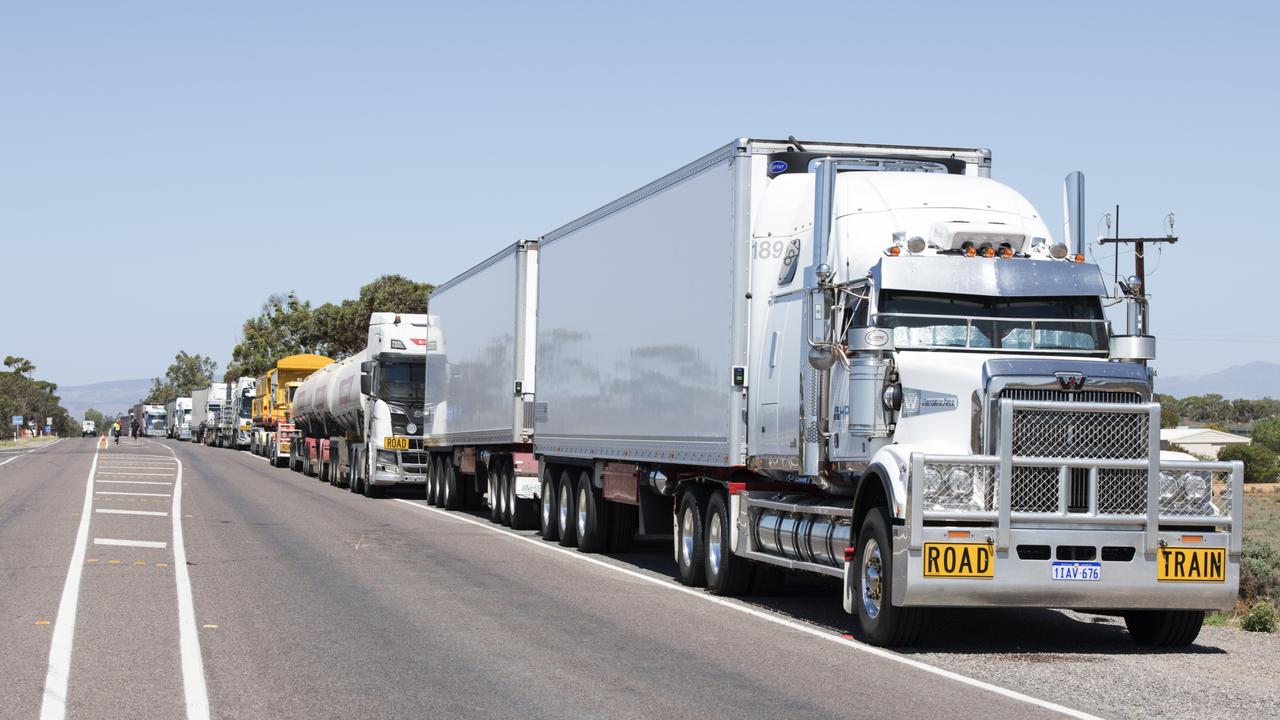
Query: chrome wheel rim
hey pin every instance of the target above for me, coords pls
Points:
(686, 537)
(564, 508)
(508, 495)
(444, 493)
(582, 511)
(872, 578)
(713, 545)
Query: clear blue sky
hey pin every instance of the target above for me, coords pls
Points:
(160, 162)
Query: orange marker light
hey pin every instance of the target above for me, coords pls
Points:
(1006, 252)
(959, 534)
(1192, 538)
(894, 251)
(970, 252)
(1079, 258)
(988, 252)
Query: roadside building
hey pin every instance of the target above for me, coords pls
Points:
(1200, 441)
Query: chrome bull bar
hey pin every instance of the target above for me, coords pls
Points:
(1160, 497)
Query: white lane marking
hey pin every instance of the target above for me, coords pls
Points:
(137, 474)
(28, 452)
(53, 706)
(193, 683)
(763, 615)
(132, 482)
(117, 492)
(131, 543)
(151, 513)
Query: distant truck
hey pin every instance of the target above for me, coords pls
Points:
(273, 405)
(235, 416)
(150, 419)
(87, 428)
(359, 421)
(206, 403)
(177, 419)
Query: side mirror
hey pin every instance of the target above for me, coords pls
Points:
(366, 367)
(366, 384)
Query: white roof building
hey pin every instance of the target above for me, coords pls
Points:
(1205, 442)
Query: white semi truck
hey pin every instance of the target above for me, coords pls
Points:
(358, 422)
(235, 415)
(177, 419)
(151, 419)
(206, 402)
(864, 361)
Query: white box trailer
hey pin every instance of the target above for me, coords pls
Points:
(481, 385)
(206, 402)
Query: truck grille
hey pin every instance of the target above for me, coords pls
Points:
(1073, 435)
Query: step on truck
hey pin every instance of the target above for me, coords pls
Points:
(206, 403)
(273, 405)
(870, 362)
(358, 422)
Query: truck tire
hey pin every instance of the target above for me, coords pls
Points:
(624, 521)
(727, 574)
(590, 523)
(566, 523)
(882, 622)
(506, 492)
(453, 493)
(493, 490)
(1164, 628)
(549, 512)
(691, 538)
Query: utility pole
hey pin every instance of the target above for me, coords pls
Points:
(1136, 286)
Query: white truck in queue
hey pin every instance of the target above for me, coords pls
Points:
(206, 402)
(358, 422)
(177, 419)
(234, 427)
(864, 361)
(151, 419)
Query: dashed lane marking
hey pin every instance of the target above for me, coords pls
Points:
(111, 511)
(133, 494)
(757, 613)
(131, 543)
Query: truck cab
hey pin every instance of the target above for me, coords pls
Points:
(392, 385)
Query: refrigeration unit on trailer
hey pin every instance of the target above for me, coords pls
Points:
(206, 402)
(177, 418)
(480, 388)
(864, 361)
(359, 421)
(273, 405)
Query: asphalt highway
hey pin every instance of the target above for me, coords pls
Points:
(305, 601)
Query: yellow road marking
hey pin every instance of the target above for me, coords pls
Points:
(113, 562)
(208, 627)
(162, 564)
(42, 622)
(139, 562)
(91, 560)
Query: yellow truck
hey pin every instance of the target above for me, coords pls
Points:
(273, 405)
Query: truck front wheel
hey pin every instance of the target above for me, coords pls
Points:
(1164, 628)
(882, 622)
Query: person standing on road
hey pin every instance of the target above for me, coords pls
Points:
(133, 428)
(115, 430)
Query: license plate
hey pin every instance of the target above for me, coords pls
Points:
(395, 443)
(1183, 564)
(958, 560)
(1077, 571)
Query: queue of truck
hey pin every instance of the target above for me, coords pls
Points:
(868, 362)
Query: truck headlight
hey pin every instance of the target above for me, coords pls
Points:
(961, 481)
(932, 481)
(1194, 485)
(411, 428)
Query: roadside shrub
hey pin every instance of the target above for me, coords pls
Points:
(1260, 618)
(1260, 463)
(1259, 571)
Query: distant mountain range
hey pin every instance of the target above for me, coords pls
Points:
(1249, 381)
(108, 398)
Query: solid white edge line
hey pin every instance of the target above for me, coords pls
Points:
(131, 543)
(152, 513)
(193, 682)
(53, 705)
(34, 449)
(764, 615)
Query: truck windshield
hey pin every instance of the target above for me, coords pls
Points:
(246, 406)
(923, 321)
(402, 381)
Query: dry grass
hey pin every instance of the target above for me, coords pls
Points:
(1262, 513)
